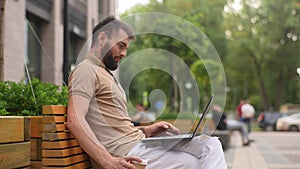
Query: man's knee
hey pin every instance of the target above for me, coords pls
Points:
(215, 141)
(187, 161)
(213, 146)
(177, 159)
(213, 155)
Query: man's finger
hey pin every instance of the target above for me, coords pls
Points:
(171, 128)
(130, 159)
(174, 130)
(128, 165)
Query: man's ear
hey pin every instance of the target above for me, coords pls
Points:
(101, 38)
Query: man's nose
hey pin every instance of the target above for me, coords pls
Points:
(123, 53)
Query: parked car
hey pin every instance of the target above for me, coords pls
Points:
(267, 120)
(289, 123)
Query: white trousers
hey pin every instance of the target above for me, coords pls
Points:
(202, 152)
(233, 125)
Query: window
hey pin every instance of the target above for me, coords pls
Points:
(33, 46)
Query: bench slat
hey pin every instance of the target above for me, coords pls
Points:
(35, 164)
(84, 164)
(54, 127)
(64, 161)
(59, 144)
(57, 136)
(54, 109)
(54, 119)
(63, 152)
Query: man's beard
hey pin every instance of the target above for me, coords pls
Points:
(108, 58)
(109, 61)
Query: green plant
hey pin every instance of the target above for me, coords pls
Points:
(172, 115)
(20, 99)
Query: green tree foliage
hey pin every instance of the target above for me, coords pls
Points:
(199, 13)
(257, 43)
(17, 99)
(199, 69)
(263, 51)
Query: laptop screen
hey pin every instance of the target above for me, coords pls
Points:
(205, 111)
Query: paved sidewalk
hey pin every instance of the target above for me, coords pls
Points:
(271, 150)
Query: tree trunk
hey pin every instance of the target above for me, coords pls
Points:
(262, 87)
(279, 90)
(2, 7)
(263, 91)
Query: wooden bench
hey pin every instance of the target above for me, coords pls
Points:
(60, 150)
(224, 135)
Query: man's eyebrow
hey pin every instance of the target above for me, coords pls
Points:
(123, 43)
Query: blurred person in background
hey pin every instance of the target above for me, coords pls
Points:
(223, 123)
(245, 111)
(239, 109)
(248, 112)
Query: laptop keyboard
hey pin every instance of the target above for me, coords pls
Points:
(179, 136)
(170, 137)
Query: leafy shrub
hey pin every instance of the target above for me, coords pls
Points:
(17, 99)
(172, 115)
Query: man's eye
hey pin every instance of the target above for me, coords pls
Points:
(121, 45)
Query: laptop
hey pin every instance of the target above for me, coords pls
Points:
(180, 137)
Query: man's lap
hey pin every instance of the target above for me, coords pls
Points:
(188, 154)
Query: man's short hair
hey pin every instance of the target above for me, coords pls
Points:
(112, 25)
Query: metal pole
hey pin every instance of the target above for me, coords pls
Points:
(66, 44)
(2, 8)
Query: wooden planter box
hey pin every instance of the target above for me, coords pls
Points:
(14, 141)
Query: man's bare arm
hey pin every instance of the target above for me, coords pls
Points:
(158, 128)
(77, 110)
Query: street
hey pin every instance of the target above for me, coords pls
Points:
(270, 150)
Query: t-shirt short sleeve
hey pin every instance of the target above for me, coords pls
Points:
(82, 81)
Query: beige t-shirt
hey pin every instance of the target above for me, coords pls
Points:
(107, 114)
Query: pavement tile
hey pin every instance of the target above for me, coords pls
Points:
(271, 150)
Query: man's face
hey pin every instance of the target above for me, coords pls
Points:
(118, 50)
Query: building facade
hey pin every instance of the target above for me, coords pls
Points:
(34, 36)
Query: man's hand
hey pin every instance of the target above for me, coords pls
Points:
(121, 162)
(160, 128)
